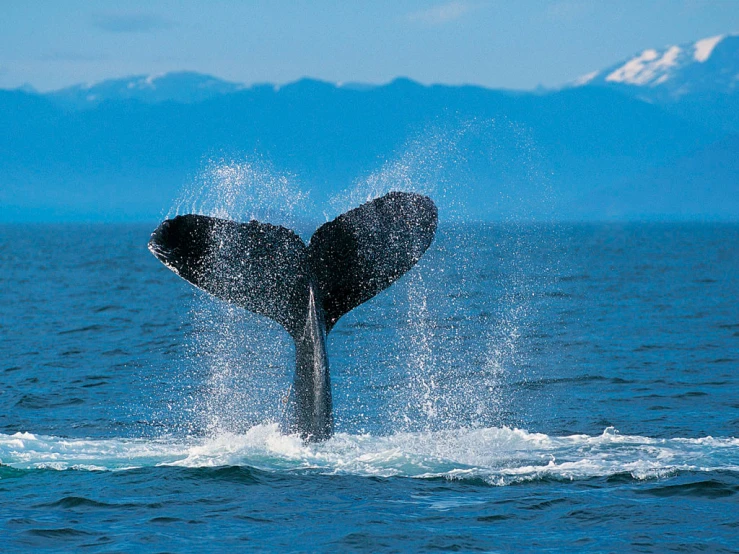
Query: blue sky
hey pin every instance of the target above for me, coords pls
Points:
(500, 44)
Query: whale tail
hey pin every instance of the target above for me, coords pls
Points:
(268, 270)
(306, 289)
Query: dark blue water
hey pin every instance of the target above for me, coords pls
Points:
(524, 388)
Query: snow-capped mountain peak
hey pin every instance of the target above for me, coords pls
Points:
(707, 65)
(703, 48)
(650, 67)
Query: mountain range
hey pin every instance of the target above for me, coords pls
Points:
(652, 137)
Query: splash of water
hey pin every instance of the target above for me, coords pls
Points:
(496, 455)
(247, 358)
(427, 393)
(243, 190)
(424, 165)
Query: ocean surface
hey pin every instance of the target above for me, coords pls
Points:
(525, 387)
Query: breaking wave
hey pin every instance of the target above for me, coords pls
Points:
(495, 455)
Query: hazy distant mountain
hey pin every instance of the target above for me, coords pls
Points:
(184, 87)
(698, 80)
(654, 137)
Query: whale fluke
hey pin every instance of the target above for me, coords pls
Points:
(365, 250)
(254, 265)
(268, 270)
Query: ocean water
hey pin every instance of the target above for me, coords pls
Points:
(525, 387)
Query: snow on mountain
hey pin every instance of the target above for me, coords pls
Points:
(708, 66)
(704, 47)
(649, 68)
(183, 87)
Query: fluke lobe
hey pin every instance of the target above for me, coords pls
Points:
(268, 270)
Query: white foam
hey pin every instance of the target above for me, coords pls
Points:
(498, 455)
